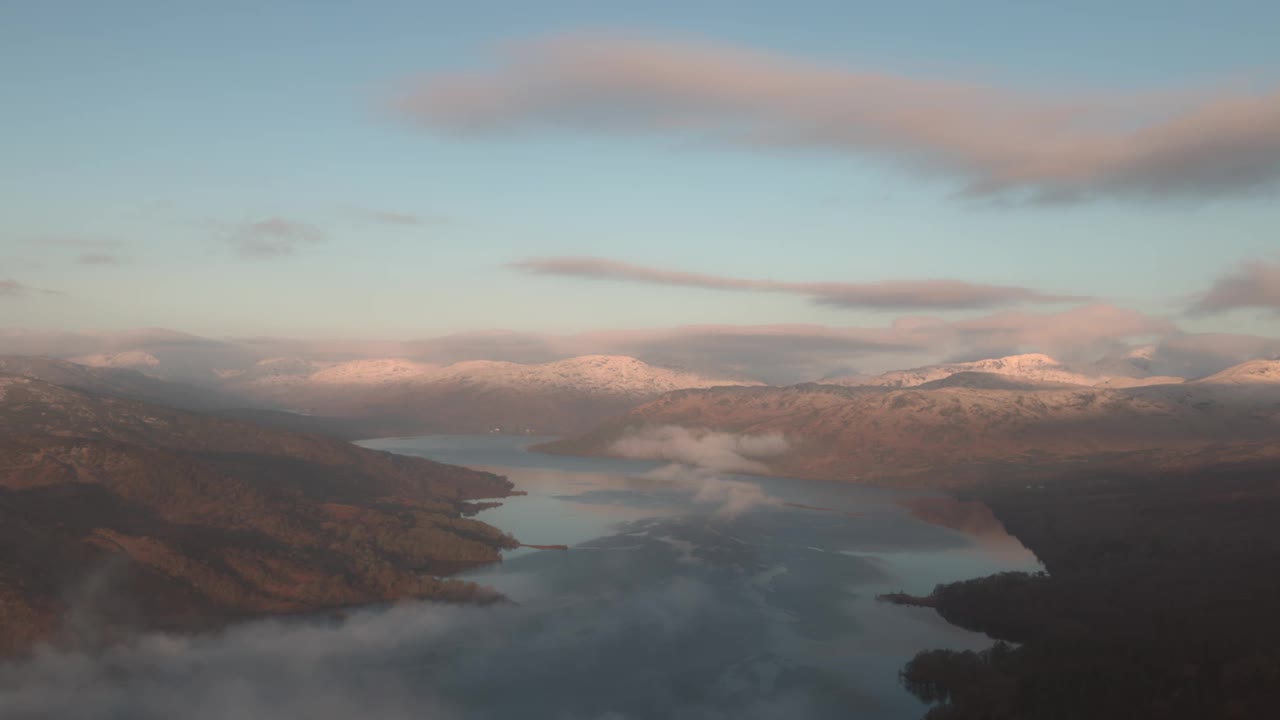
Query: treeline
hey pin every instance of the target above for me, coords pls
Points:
(1162, 600)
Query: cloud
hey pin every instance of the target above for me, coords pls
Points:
(1193, 355)
(885, 295)
(731, 498)
(798, 352)
(273, 237)
(505, 345)
(716, 451)
(98, 259)
(1254, 284)
(777, 353)
(12, 288)
(1077, 333)
(388, 217)
(73, 241)
(995, 141)
(418, 660)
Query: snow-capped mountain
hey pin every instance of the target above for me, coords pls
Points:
(131, 359)
(595, 374)
(978, 426)
(477, 395)
(1253, 372)
(1027, 368)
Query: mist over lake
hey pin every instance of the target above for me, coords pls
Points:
(665, 605)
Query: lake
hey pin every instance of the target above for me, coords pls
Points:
(688, 593)
(684, 594)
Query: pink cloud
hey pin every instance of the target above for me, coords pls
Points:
(1254, 284)
(1079, 331)
(897, 295)
(995, 141)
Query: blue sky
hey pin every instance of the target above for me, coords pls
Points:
(151, 134)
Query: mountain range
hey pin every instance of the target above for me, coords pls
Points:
(1026, 369)
(968, 424)
(388, 396)
(396, 396)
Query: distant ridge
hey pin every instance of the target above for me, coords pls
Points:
(404, 396)
(116, 381)
(969, 425)
(1029, 367)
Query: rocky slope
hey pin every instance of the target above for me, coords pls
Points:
(964, 430)
(116, 513)
(401, 397)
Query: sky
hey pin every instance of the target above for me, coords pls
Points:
(402, 170)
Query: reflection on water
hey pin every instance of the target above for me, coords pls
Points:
(684, 595)
(791, 590)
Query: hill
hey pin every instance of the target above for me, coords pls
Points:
(1254, 372)
(953, 430)
(396, 396)
(117, 381)
(116, 513)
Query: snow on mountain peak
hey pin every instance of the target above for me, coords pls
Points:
(1032, 367)
(127, 359)
(607, 374)
(1251, 372)
(373, 372)
(1026, 360)
(1146, 352)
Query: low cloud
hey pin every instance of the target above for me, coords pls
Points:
(417, 661)
(1214, 142)
(716, 451)
(1255, 284)
(731, 498)
(780, 353)
(776, 353)
(1193, 355)
(1076, 334)
(794, 353)
(273, 237)
(933, 294)
(505, 345)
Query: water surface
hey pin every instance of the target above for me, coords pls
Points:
(729, 601)
(684, 594)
